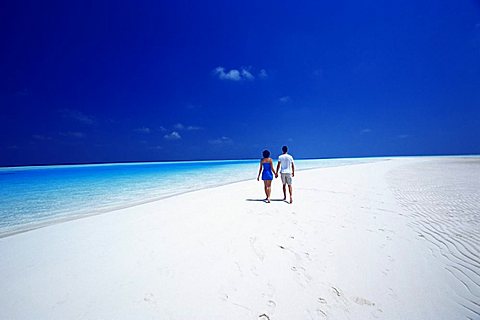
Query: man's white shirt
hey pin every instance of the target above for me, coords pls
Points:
(286, 161)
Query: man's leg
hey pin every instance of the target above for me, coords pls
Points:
(284, 182)
(291, 192)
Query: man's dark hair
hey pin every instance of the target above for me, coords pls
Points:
(266, 153)
(284, 149)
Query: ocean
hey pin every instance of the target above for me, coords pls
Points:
(38, 195)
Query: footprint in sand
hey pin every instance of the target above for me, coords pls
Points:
(258, 252)
(303, 277)
(271, 304)
(149, 298)
(297, 256)
(321, 300)
(321, 313)
(336, 291)
(363, 302)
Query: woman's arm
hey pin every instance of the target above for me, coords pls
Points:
(259, 171)
(278, 169)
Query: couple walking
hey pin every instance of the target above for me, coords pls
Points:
(285, 167)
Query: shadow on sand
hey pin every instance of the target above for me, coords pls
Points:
(263, 200)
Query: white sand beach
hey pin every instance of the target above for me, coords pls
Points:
(395, 239)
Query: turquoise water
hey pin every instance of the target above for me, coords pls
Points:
(30, 196)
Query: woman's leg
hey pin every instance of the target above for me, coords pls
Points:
(269, 188)
(265, 187)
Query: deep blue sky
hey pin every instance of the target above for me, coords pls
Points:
(106, 81)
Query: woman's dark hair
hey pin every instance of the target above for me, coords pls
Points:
(266, 153)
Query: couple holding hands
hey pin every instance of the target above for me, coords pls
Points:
(285, 167)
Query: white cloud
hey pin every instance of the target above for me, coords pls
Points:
(285, 99)
(173, 136)
(179, 126)
(403, 136)
(247, 75)
(143, 130)
(162, 128)
(263, 74)
(233, 74)
(366, 130)
(77, 116)
(221, 141)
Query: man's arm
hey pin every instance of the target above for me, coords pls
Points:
(278, 167)
(293, 169)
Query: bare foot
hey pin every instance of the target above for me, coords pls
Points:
(267, 201)
(291, 200)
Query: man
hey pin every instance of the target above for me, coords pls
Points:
(287, 171)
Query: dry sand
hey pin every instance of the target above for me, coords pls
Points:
(396, 239)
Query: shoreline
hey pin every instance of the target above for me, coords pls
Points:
(71, 217)
(348, 247)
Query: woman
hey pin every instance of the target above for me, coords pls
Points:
(267, 175)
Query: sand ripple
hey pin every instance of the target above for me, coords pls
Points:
(443, 197)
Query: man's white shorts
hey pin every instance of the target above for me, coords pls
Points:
(286, 178)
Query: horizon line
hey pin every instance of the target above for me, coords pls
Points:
(212, 160)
